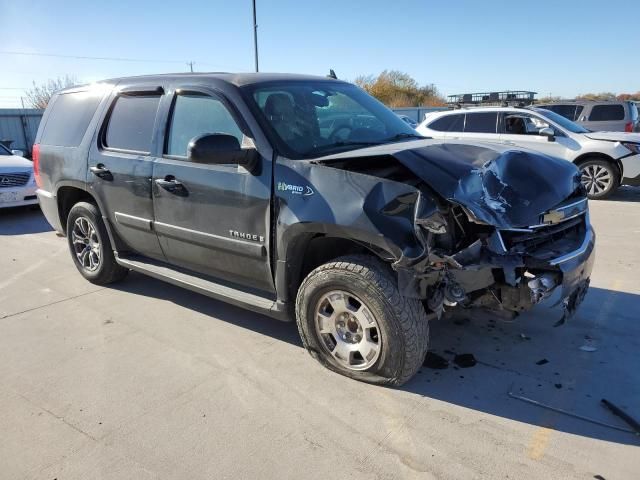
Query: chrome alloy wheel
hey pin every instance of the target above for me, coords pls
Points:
(86, 244)
(596, 179)
(348, 330)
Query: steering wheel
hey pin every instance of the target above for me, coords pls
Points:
(333, 136)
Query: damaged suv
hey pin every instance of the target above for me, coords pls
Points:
(303, 197)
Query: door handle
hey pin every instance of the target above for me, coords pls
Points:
(507, 142)
(101, 171)
(170, 184)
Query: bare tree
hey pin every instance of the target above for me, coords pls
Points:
(39, 95)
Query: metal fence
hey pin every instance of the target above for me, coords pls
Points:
(18, 127)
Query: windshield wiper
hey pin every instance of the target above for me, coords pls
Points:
(345, 143)
(402, 136)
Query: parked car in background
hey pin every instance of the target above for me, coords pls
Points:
(599, 116)
(17, 185)
(408, 120)
(606, 159)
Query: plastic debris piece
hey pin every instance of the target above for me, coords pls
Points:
(542, 362)
(433, 360)
(588, 348)
(465, 360)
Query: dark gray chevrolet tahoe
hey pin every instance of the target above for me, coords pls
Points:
(305, 198)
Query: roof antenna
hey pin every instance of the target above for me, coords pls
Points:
(332, 74)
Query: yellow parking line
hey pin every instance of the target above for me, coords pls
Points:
(539, 442)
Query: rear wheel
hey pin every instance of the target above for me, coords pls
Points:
(353, 320)
(599, 177)
(90, 246)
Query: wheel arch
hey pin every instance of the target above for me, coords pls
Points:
(601, 156)
(312, 249)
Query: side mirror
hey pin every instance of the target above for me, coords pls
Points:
(547, 132)
(220, 148)
(19, 153)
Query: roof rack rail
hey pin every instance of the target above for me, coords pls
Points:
(519, 98)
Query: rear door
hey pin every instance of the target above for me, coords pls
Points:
(606, 117)
(217, 223)
(121, 164)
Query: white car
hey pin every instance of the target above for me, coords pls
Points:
(17, 184)
(606, 159)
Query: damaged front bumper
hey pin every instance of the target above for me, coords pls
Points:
(509, 270)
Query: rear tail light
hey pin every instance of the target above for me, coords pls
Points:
(628, 127)
(35, 156)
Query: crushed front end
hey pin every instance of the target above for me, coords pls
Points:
(472, 264)
(496, 245)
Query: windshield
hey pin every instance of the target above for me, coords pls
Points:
(308, 119)
(562, 121)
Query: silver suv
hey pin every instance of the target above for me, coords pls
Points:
(598, 116)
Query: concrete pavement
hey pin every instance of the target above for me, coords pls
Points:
(146, 380)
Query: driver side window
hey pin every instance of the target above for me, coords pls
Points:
(193, 115)
(523, 124)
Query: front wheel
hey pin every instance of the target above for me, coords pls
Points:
(599, 177)
(90, 246)
(353, 320)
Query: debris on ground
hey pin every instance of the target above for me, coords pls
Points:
(465, 360)
(632, 422)
(565, 412)
(524, 337)
(557, 385)
(433, 360)
(588, 348)
(542, 362)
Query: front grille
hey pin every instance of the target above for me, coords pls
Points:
(8, 180)
(529, 241)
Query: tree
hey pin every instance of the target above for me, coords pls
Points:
(39, 95)
(597, 96)
(399, 89)
(629, 96)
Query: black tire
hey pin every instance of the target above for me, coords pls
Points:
(107, 270)
(403, 325)
(595, 190)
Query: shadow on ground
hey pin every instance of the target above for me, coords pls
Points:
(22, 220)
(625, 194)
(507, 354)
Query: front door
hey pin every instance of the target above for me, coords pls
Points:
(121, 164)
(216, 222)
(521, 129)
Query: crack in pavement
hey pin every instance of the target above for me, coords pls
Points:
(8, 315)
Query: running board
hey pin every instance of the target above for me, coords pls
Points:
(240, 298)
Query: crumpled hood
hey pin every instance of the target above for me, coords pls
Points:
(614, 136)
(502, 187)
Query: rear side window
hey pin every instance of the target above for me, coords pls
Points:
(567, 111)
(69, 118)
(131, 123)
(606, 112)
(448, 123)
(195, 115)
(484, 122)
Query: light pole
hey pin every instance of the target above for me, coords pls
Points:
(255, 35)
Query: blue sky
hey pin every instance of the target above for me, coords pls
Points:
(559, 47)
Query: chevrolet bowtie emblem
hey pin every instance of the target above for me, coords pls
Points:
(553, 216)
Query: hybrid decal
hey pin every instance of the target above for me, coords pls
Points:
(295, 189)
